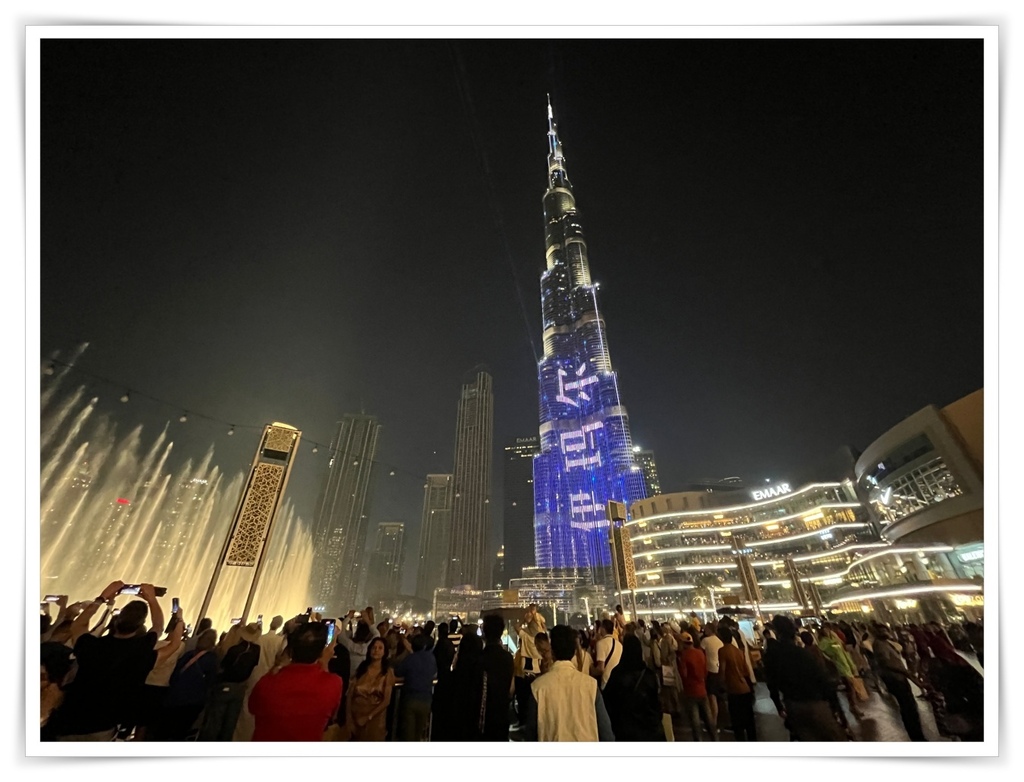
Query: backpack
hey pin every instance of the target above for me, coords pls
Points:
(238, 667)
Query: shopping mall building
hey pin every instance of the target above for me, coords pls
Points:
(899, 539)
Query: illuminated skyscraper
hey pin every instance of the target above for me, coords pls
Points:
(586, 453)
(384, 576)
(468, 559)
(645, 459)
(435, 535)
(340, 519)
(498, 577)
(518, 504)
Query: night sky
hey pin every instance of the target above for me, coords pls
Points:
(787, 233)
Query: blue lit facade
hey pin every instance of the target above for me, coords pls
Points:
(586, 454)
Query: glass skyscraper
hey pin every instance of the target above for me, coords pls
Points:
(340, 518)
(586, 454)
(384, 576)
(435, 534)
(468, 546)
(518, 505)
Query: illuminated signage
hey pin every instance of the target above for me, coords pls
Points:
(575, 385)
(972, 556)
(771, 491)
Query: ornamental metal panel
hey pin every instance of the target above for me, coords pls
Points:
(255, 515)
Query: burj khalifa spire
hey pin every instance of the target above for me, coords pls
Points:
(586, 454)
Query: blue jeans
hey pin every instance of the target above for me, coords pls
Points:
(222, 712)
(693, 710)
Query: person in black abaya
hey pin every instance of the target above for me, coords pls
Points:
(631, 696)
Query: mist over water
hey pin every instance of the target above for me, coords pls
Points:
(111, 507)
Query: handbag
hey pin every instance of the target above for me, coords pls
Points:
(669, 677)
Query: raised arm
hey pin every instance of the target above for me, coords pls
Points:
(81, 624)
(98, 628)
(174, 638)
(156, 613)
(62, 610)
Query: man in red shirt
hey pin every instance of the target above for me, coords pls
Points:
(693, 670)
(296, 703)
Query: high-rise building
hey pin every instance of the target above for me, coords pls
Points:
(468, 561)
(498, 577)
(518, 504)
(340, 518)
(645, 459)
(384, 576)
(586, 452)
(435, 534)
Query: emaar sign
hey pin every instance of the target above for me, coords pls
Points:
(772, 491)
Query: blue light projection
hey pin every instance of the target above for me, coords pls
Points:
(586, 454)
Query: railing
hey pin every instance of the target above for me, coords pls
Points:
(394, 709)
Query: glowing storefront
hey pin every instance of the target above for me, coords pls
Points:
(775, 549)
(922, 483)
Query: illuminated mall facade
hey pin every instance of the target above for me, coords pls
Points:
(899, 539)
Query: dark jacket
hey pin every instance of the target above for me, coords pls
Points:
(634, 707)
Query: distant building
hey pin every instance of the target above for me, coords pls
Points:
(435, 534)
(692, 496)
(384, 576)
(518, 504)
(340, 518)
(645, 459)
(463, 602)
(468, 562)
(498, 575)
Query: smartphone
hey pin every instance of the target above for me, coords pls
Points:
(236, 621)
(130, 589)
(259, 620)
(115, 612)
(174, 605)
(309, 610)
(188, 630)
(329, 624)
(159, 591)
(51, 598)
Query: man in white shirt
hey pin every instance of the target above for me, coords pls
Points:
(711, 644)
(567, 705)
(607, 653)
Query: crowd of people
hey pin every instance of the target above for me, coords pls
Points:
(129, 675)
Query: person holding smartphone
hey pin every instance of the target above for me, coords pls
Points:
(158, 681)
(112, 669)
(298, 702)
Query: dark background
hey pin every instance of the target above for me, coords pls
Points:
(787, 233)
